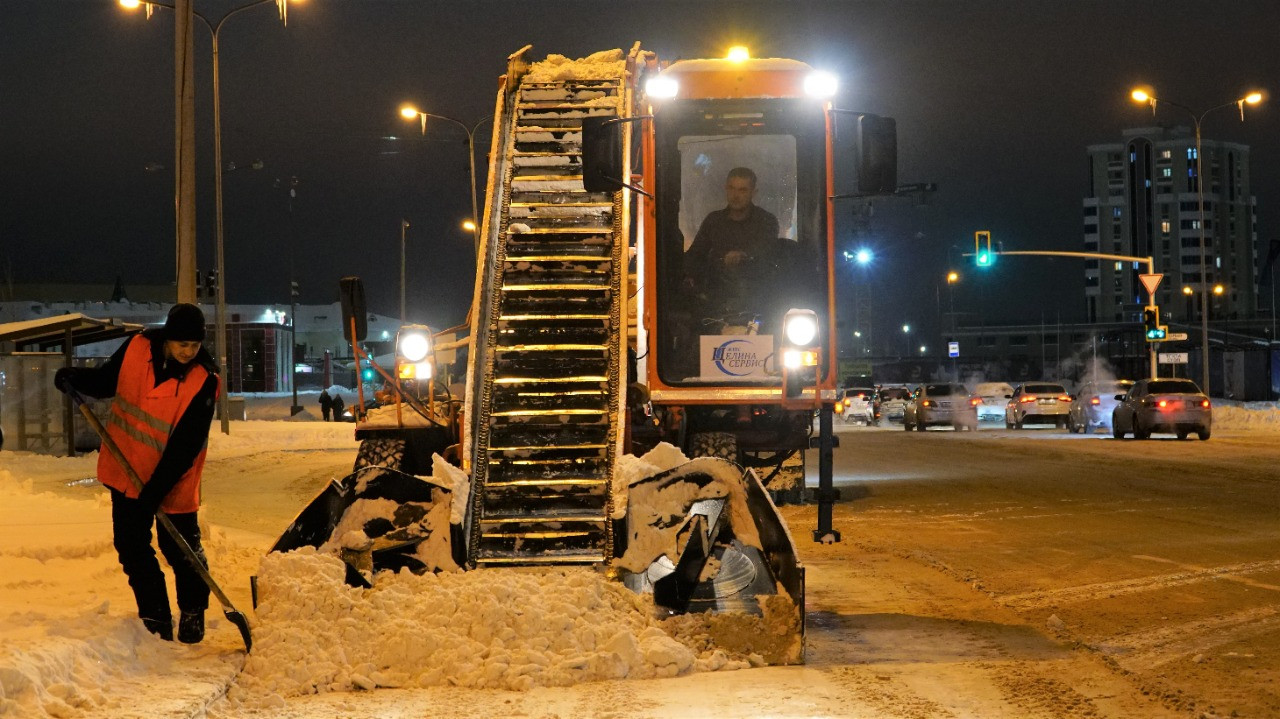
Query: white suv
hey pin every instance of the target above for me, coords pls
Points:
(855, 405)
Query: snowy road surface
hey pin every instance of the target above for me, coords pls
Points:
(988, 574)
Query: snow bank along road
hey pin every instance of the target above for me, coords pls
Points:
(989, 574)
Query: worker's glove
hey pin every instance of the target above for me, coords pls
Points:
(150, 497)
(62, 379)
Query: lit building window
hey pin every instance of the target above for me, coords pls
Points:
(1119, 266)
(1191, 153)
(1165, 154)
(1166, 172)
(1165, 226)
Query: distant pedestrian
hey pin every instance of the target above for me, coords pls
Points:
(326, 404)
(164, 384)
(338, 406)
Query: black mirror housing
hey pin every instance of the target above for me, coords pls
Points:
(601, 154)
(351, 290)
(877, 155)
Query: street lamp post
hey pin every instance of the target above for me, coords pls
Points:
(215, 29)
(1146, 96)
(906, 336)
(404, 225)
(409, 112)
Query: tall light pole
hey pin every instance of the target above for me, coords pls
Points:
(410, 112)
(906, 335)
(215, 30)
(404, 225)
(1146, 95)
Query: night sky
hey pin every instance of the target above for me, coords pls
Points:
(995, 102)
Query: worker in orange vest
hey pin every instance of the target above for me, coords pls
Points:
(164, 384)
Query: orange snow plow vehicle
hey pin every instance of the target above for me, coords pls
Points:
(652, 323)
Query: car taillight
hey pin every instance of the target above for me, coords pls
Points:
(1064, 398)
(1026, 400)
(1095, 400)
(1162, 403)
(927, 403)
(1204, 403)
(975, 401)
(839, 406)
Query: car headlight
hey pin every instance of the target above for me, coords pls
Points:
(801, 329)
(414, 345)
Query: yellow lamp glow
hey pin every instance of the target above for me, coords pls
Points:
(130, 4)
(1141, 95)
(1218, 289)
(1253, 98)
(1186, 290)
(408, 112)
(469, 226)
(739, 53)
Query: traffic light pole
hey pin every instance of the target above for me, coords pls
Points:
(1150, 262)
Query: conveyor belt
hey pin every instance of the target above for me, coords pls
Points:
(546, 428)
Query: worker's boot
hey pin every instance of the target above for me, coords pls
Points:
(191, 627)
(162, 628)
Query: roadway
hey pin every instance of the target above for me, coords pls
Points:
(1044, 556)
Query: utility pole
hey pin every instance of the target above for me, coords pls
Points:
(184, 86)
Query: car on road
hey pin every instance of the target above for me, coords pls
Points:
(941, 404)
(1037, 402)
(1093, 404)
(855, 405)
(994, 396)
(891, 401)
(1162, 405)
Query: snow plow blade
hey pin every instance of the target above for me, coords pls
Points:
(392, 540)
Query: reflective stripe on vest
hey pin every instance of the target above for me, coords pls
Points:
(143, 416)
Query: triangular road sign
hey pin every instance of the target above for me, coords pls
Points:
(1151, 282)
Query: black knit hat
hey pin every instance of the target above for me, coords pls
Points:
(184, 324)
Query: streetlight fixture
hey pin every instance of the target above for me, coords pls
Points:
(409, 112)
(215, 30)
(1147, 95)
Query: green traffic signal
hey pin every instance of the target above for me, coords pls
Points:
(985, 259)
(1157, 333)
(367, 374)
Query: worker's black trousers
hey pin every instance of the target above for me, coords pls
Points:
(131, 530)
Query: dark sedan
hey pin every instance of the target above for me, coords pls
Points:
(1093, 404)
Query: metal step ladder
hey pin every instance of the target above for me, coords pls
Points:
(550, 406)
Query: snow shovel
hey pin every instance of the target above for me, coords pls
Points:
(234, 615)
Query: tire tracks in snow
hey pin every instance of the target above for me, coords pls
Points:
(1105, 590)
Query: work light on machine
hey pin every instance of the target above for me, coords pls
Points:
(661, 87)
(414, 345)
(821, 85)
(801, 328)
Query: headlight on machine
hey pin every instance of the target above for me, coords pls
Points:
(414, 343)
(415, 370)
(801, 327)
(801, 352)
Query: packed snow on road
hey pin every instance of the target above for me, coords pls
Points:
(73, 646)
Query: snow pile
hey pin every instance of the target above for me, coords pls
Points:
(603, 65)
(494, 628)
(630, 469)
(1252, 416)
(69, 641)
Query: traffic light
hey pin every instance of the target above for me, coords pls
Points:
(982, 248)
(367, 374)
(1151, 326)
(293, 290)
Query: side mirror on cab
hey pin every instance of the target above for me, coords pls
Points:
(601, 154)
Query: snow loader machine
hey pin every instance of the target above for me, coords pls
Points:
(623, 409)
